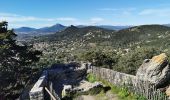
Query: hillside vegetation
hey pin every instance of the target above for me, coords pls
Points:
(122, 50)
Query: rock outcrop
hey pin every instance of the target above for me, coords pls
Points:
(83, 88)
(66, 89)
(168, 91)
(155, 70)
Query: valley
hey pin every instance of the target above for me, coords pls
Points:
(116, 48)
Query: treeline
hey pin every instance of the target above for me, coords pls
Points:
(127, 62)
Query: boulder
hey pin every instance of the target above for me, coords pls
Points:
(66, 89)
(168, 91)
(155, 70)
(83, 88)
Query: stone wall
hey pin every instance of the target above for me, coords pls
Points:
(59, 78)
(54, 79)
(131, 82)
(114, 77)
(37, 92)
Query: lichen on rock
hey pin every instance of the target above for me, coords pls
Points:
(160, 58)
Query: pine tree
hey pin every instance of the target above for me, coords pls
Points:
(14, 59)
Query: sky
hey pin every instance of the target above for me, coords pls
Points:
(41, 13)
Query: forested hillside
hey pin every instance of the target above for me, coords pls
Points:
(122, 50)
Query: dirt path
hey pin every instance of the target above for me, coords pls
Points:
(88, 97)
(111, 96)
(101, 96)
(107, 96)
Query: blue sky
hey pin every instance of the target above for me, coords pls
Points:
(40, 13)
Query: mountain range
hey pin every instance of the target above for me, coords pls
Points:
(29, 30)
(112, 34)
(144, 34)
(59, 27)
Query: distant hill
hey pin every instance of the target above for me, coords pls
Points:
(91, 34)
(54, 28)
(110, 27)
(73, 33)
(98, 34)
(27, 33)
(141, 33)
(24, 29)
(59, 27)
(168, 25)
(44, 30)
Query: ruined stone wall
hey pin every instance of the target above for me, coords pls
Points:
(37, 92)
(131, 82)
(114, 77)
(53, 77)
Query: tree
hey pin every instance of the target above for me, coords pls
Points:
(14, 58)
(130, 62)
(101, 59)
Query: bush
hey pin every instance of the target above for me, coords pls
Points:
(96, 90)
(123, 93)
(130, 62)
(100, 58)
(91, 78)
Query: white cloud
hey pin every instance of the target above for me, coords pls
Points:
(116, 9)
(19, 18)
(66, 19)
(8, 14)
(96, 20)
(16, 20)
(156, 12)
(117, 12)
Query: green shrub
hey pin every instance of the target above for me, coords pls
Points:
(139, 97)
(123, 93)
(95, 91)
(91, 78)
